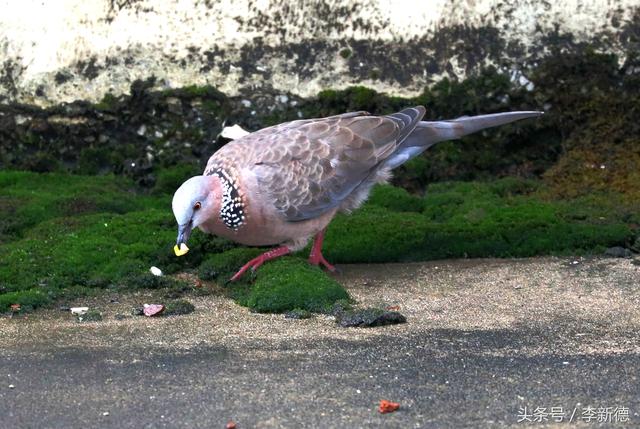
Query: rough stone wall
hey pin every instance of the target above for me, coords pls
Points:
(64, 50)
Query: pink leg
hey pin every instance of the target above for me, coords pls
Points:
(315, 257)
(255, 263)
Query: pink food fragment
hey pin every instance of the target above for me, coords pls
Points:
(153, 309)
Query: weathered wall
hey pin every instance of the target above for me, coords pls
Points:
(64, 50)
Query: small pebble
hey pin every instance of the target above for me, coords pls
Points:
(11, 386)
(79, 311)
(153, 309)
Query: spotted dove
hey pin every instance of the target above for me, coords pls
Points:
(282, 185)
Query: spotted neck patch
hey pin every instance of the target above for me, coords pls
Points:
(232, 212)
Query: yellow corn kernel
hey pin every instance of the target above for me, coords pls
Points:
(182, 250)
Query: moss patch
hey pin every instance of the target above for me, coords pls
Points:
(31, 298)
(345, 53)
(67, 235)
(395, 199)
(178, 308)
(291, 283)
(595, 107)
(222, 266)
(27, 199)
(369, 317)
(90, 316)
(504, 218)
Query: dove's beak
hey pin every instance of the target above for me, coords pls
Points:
(183, 235)
(184, 231)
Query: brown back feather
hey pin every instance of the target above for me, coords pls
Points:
(308, 167)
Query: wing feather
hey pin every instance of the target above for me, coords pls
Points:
(308, 167)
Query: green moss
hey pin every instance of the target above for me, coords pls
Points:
(94, 160)
(80, 231)
(65, 235)
(80, 250)
(594, 106)
(395, 199)
(201, 246)
(291, 283)
(90, 316)
(512, 186)
(26, 298)
(178, 308)
(27, 199)
(199, 91)
(108, 102)
(375, 234)
(150, 281)
(345, 53)
(221, 266)
(504, 218)
(168, 180)
(332, 102)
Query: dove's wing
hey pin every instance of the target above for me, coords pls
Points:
(307, 167)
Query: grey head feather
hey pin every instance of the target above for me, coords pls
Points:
(192, 190)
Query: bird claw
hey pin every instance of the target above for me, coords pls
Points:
(318, 260)
(255, 263)
(316, 257)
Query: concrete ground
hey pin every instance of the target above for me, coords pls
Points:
(484, 339)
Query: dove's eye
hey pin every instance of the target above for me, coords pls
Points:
(197, 205)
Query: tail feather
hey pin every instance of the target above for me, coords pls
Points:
(428, 133)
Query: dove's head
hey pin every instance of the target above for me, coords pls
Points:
(193, 204)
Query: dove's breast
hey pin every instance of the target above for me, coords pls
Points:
(249, 216)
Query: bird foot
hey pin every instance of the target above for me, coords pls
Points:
(255, 263)
(317, 259)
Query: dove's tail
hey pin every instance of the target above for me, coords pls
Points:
(428, 133)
